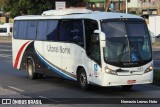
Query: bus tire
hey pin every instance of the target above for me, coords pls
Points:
(31, 70)
(127, 87)
(82, 79)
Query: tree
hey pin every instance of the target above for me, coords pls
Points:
(30, 7)
(2, 3)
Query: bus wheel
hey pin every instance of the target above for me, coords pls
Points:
(127, 87)
(82, 79)
(31, 70)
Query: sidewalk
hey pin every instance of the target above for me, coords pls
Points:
(5, 39)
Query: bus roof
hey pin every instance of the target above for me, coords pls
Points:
(66, 12)
(78, 14)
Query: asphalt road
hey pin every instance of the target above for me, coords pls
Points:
(50, 87)
(156, 57)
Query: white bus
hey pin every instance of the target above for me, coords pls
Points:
(6, 29)
(100, 48)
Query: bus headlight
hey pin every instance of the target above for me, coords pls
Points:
(109, 71)
(150, 68)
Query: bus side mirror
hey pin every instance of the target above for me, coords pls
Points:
(102, 37)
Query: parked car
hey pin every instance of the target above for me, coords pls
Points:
(152, 36)
(158, 36)
(6, 29)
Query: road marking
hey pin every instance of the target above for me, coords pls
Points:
(6, 50)
(49, 99)
(5, 46)
(156, 60)
(42, 97)
(16, 88)
(5, 56)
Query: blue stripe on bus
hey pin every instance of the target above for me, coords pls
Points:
(55, 70)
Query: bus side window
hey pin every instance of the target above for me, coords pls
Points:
(64, 29)
(76, 32)
(52, 29)
(32, 26)
(22, 32)
(90, 26)
(71, 31)
(41, 30)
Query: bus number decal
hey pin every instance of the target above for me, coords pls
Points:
(96, 69)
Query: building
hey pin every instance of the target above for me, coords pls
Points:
(95, 4)
(107, 5)
(143, 7)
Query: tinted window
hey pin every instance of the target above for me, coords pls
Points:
(31, 30)
(15, 33)
(3, 30)
(114, 29)
(41, 30)
(71, 31)
(64, 30)
(22, 32)
(136, 29)
(77, 32)
(90, 26)
(11, 29)
(52, 29)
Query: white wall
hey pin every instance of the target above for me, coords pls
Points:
(154, 26)
(133, 4)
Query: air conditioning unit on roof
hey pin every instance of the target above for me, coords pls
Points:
(66, 12)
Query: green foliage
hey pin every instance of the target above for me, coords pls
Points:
(2, 3)
(32, 7)
(28, 7)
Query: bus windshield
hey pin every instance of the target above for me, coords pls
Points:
(127, 43)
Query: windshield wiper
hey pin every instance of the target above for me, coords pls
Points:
(121, 54)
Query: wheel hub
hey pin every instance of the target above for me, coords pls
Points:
(83, 79)
(30, 70)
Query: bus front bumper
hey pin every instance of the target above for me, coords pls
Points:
(116, 80)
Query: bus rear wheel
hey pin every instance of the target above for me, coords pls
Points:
(31, 70)
(82, 79)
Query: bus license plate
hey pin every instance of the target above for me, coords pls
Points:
(131, 81)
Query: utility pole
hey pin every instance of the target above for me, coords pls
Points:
(126, 6)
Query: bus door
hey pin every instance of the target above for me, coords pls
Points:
(96, 58)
